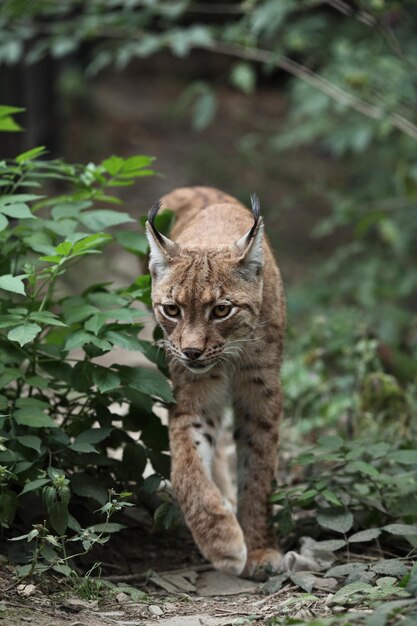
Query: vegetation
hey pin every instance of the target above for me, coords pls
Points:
(349, 76)
(60, 409)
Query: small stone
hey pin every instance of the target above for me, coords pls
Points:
(75, 605)
(170, 606)
(156, 610)
(122, 598)
(24, 618)
(26, 590)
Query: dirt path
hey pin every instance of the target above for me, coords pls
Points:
(213, 599)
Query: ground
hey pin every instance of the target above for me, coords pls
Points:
(170, 585)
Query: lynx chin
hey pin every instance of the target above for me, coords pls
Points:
(217, 294)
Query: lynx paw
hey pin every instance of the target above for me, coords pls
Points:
(233, 562)
(222, 543)
(262, 563)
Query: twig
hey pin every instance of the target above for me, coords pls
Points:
(284, 589)
(318, 82)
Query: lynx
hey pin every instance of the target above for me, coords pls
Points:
(217, 294)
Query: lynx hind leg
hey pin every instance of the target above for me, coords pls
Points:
(214, 526)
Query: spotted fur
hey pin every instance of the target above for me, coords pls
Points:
(217, 256)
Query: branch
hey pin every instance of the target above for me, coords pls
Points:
(302, 72)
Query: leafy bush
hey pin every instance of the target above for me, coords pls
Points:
(357, 427)
(61, 414)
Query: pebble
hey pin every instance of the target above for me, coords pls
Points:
(111, 613)
(75, 605)
(122, 598)
(155, 610)
(26, 590)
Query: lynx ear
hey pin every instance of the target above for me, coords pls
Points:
(250, 246)
(162, 249)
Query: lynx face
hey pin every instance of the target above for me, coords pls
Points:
(207, 300)
(206, 303)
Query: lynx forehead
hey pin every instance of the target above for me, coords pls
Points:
(217, 295)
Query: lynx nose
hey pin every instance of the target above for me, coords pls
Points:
(192, 353)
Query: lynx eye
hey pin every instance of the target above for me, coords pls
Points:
(171, 310)
(221, 310)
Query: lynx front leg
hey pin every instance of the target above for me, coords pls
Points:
(257, 413)
(214, 526)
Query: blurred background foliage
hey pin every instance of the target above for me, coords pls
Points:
(311, 103)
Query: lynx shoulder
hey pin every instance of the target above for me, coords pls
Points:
(217, 295)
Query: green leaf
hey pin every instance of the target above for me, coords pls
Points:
(365, 535)
(243, 77)
(338, 520)
(83, 447)
(123, 340)
(18, 210)
(29, 155)
(17, 197)
(34, 485)
(13, 283)
(33, 417)
(105, 379)
(90, 243)
(78, 313)
(109, 527)
(10, 320)
(305, 580)
(331, 497)
(102, 219)
(24, 334)
(4, 222)
(344, 595)
(89, 487)
(7, 123)
(401, 529)
(30, 441)
(147, 381)
(58, 516)
(77, 340)
(24, 403)
(113, 165)
(133, 242)
(363, 468)
(152, 483)
(346, 569)
(404, 457)
(93, 435)
(390, 567)
(331, 442)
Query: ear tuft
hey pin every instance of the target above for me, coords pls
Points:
(153, 211)
(250, 246)
(161, 249)
(256, 210)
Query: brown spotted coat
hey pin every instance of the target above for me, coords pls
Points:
(216, 256)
